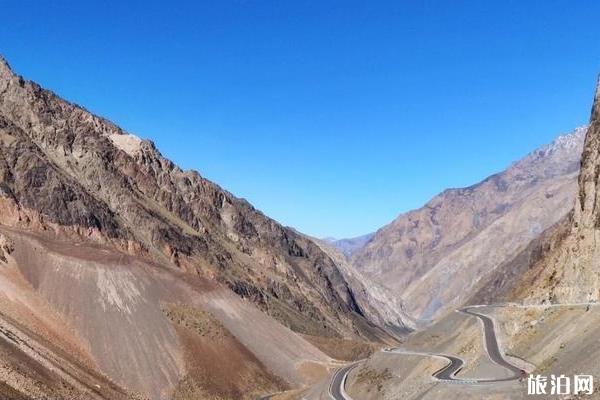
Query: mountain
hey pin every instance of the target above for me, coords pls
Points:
(437, 257)
(124, 276)
(348, 246)
(566, 270)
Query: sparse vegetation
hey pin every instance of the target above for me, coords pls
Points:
(195, 319)
(373, 378)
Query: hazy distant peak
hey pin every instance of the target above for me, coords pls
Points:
(350, 246)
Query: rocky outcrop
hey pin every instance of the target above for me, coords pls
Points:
(437, 257)
(6, 248)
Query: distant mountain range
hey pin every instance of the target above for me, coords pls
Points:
(349, 246)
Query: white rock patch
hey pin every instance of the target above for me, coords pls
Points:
(130, 144)
(118, 289)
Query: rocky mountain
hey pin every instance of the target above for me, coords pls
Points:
(147, 280)
(566, 270)
(437, 257)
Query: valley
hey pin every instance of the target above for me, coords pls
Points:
(464, 366)
(123, 276)
(543, 311)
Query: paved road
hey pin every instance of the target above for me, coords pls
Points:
(455, 364)
(265, 397)
(491, 345)
(448, 373)
(337, 387)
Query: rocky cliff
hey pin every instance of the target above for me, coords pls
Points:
(567, 271)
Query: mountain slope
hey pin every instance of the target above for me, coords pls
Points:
(135, 255)
(66, 170)
(376, 299)
(118, 311)
(438, 256)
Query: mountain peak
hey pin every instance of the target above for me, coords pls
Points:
(596, 106)
(5, 69)
(568, 141)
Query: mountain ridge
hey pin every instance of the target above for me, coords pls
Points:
(412, 255)
(151, 163)
(132, 240)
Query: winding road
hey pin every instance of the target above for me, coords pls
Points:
(448, 373)
(492, 347)
(337, 387)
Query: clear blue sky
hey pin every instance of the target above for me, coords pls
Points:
(332, 117)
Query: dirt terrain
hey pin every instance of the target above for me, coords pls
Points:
(184, 335)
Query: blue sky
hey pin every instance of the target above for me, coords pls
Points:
(332, 117)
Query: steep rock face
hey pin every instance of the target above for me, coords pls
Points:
(568, 270)
(70, 174)
(436, 257)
